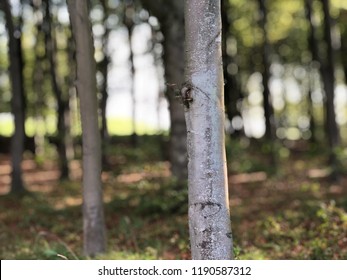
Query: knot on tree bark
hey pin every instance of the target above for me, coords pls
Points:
(208, 208)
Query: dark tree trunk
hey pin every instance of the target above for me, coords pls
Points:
(171, 17)
(232, 91)
(343, 24)
(129, 23)
(268, 109)
(38, 79)
(105, 137)
(343, 28)
(17, 102)
(313, 47)
(328, 75)
(62, 103)
(103, 67)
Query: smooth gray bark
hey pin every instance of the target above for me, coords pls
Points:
(202, 95)
(17, 102)
(93, 215)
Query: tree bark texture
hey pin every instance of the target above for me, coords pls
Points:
(17, 102)
(93, 215)
(171, 17)
(202, 95)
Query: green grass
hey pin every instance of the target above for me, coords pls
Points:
(116, 126)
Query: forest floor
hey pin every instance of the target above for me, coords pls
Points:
(293, 212)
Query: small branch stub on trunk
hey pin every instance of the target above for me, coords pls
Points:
(186, 94)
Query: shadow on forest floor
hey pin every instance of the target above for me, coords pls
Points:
(296, 214)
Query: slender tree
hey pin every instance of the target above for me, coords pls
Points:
(343, 29)
(103, 67)
(129, 13)
(17, 102)
(232, 89)
(313, 47)
(171, 17)
(328, 75)
(93, 215)
(62, 101)
(202, 96)
(268, 109)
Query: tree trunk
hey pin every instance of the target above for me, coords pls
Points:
(328, 75)
(62, 104)
(171, 17)
(313, 47)
(129, 23)
(17, 102)
(343, 28)
(93, 216)
(202, 95)
(268, 109)
(232, 90)
(103, 67)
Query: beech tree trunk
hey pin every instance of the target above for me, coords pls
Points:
(17, 102)
(202, 95)
(93, 215)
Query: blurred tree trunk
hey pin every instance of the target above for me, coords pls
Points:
(328, 75)
(171, 17)
(62, 103)
(38, 79)
(103, 67)
(270, 133)
(18, 101)
(313, 48)
(129, 24)
(232, 88)
(202, 95)
(343, 28)
(93, 215)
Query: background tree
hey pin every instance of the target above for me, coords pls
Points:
(232, 89)
(93, 215)
(268, 109)
(17, 102)
(61, 98)
(202, 95)
(328, 75)
(171, 17)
